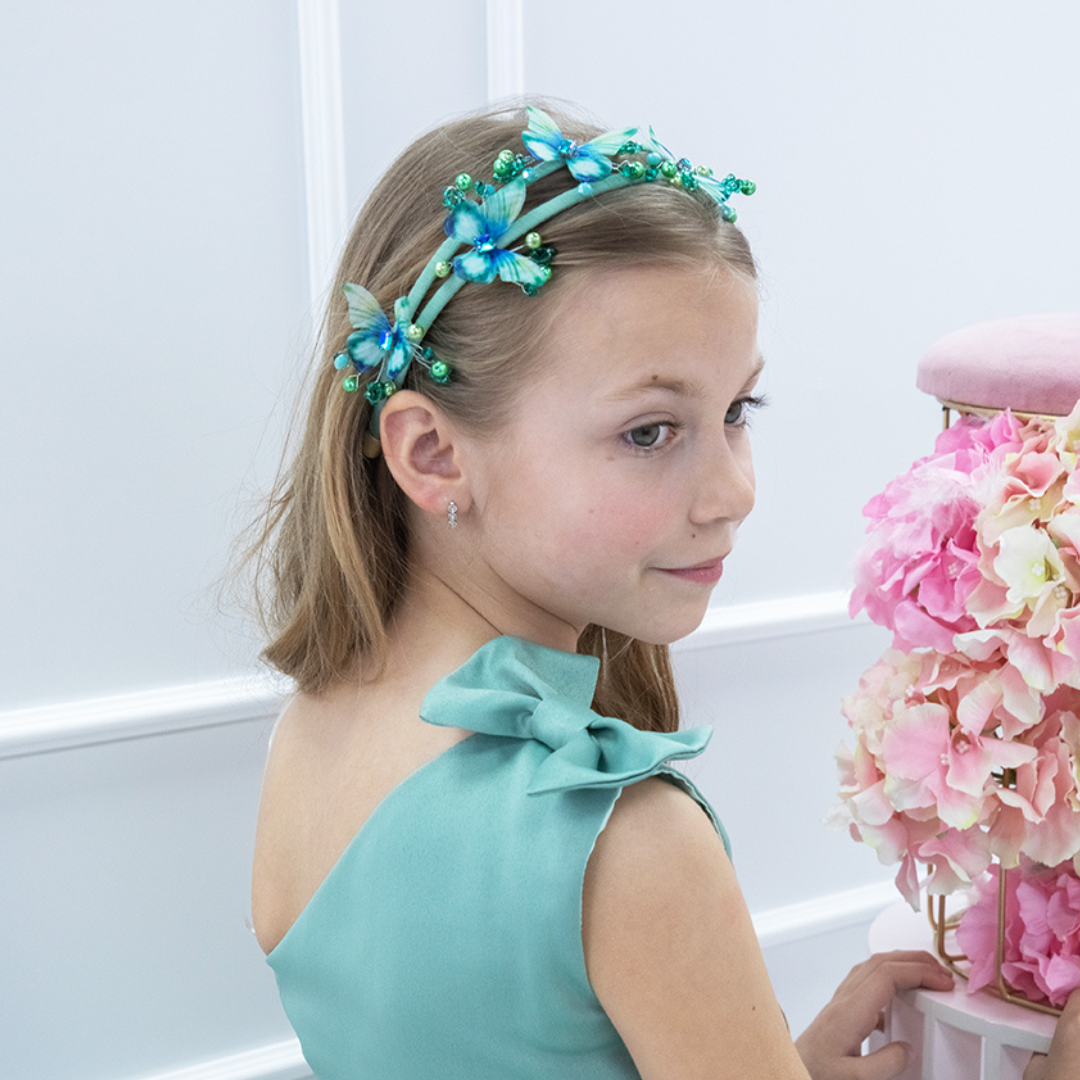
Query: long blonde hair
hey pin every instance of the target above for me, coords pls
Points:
(332, 549)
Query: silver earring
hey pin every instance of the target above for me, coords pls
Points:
(451, 515)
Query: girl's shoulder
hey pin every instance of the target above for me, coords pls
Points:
(669, 945)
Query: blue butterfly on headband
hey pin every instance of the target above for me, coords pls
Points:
(375, 342)
(482, 225)
(586, 161)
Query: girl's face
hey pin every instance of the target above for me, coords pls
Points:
(614, 493)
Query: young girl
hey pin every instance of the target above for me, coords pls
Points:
(508, 501)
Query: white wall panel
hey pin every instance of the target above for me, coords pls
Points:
(154, 283)
(916, 173)
(775, 710)
(406, 66)
(123, 900)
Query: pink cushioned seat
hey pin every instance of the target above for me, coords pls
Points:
(1030, 364)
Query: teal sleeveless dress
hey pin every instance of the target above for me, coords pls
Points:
(445, 944)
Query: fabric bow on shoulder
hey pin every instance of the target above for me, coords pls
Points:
(517, 689)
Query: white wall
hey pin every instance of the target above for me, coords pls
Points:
(916, 168)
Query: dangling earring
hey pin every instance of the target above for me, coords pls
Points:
(451, 514)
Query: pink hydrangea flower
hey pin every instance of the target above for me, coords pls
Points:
(967, 732)
(921, 559)
(1042, 932)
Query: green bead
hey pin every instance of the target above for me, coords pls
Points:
(442, 268)
(351, 382)
(505, 155)
(635, 170)
(463, 181)
(415, 332)
(546, 271)
(533, 241)
(703, 170)
(728, 214)
(748, 187)
(669, 169)
(440, 371)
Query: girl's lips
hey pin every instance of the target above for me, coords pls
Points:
(707, 573)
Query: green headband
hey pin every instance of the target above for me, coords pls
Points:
(488, 229)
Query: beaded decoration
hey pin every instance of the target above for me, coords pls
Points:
(501, 243)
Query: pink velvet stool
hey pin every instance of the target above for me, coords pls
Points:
(1029, 364)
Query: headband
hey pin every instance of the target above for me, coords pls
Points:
(491, 229)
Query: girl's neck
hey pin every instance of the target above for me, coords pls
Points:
(439, 621)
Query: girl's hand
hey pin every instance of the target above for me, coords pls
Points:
(831, 1046)
(1063, 1060)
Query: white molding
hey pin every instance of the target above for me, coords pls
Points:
(88, 722)
(767, 619)
(505, 49)
(92, 721)
(324, 141)
(837, 911)
(276, 1061)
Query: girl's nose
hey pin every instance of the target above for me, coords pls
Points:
(725, 488)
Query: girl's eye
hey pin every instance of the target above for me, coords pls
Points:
(739, 411)
(648, 435)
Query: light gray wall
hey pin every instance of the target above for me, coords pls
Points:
(916, 169)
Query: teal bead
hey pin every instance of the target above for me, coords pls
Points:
(442, 268)
(654, 159)
(533, 240)
(415, 332)
(584, 188)
(341, 360)
(651, 174)
(351, 382)
(463, 181)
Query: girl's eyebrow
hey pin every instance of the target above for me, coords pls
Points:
(679, 387)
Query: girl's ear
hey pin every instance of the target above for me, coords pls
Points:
(422, 451)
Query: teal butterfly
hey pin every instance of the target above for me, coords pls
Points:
(586, 161)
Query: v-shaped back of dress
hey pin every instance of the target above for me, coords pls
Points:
(446, 941)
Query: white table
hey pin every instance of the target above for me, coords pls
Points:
(956, 1036)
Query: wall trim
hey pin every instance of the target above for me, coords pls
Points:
(763, 620)
(505, 49)
(48, 728)
(823, 914)
(88, 722)
(322, 109)
(275, 1061)
(775, 928)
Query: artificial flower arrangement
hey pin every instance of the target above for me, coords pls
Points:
(968, 729)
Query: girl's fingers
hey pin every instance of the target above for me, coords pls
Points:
(1035, 1067)
(891, 1060)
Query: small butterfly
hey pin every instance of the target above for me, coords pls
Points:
(586, 161)
(482, 225)
(375, 341)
